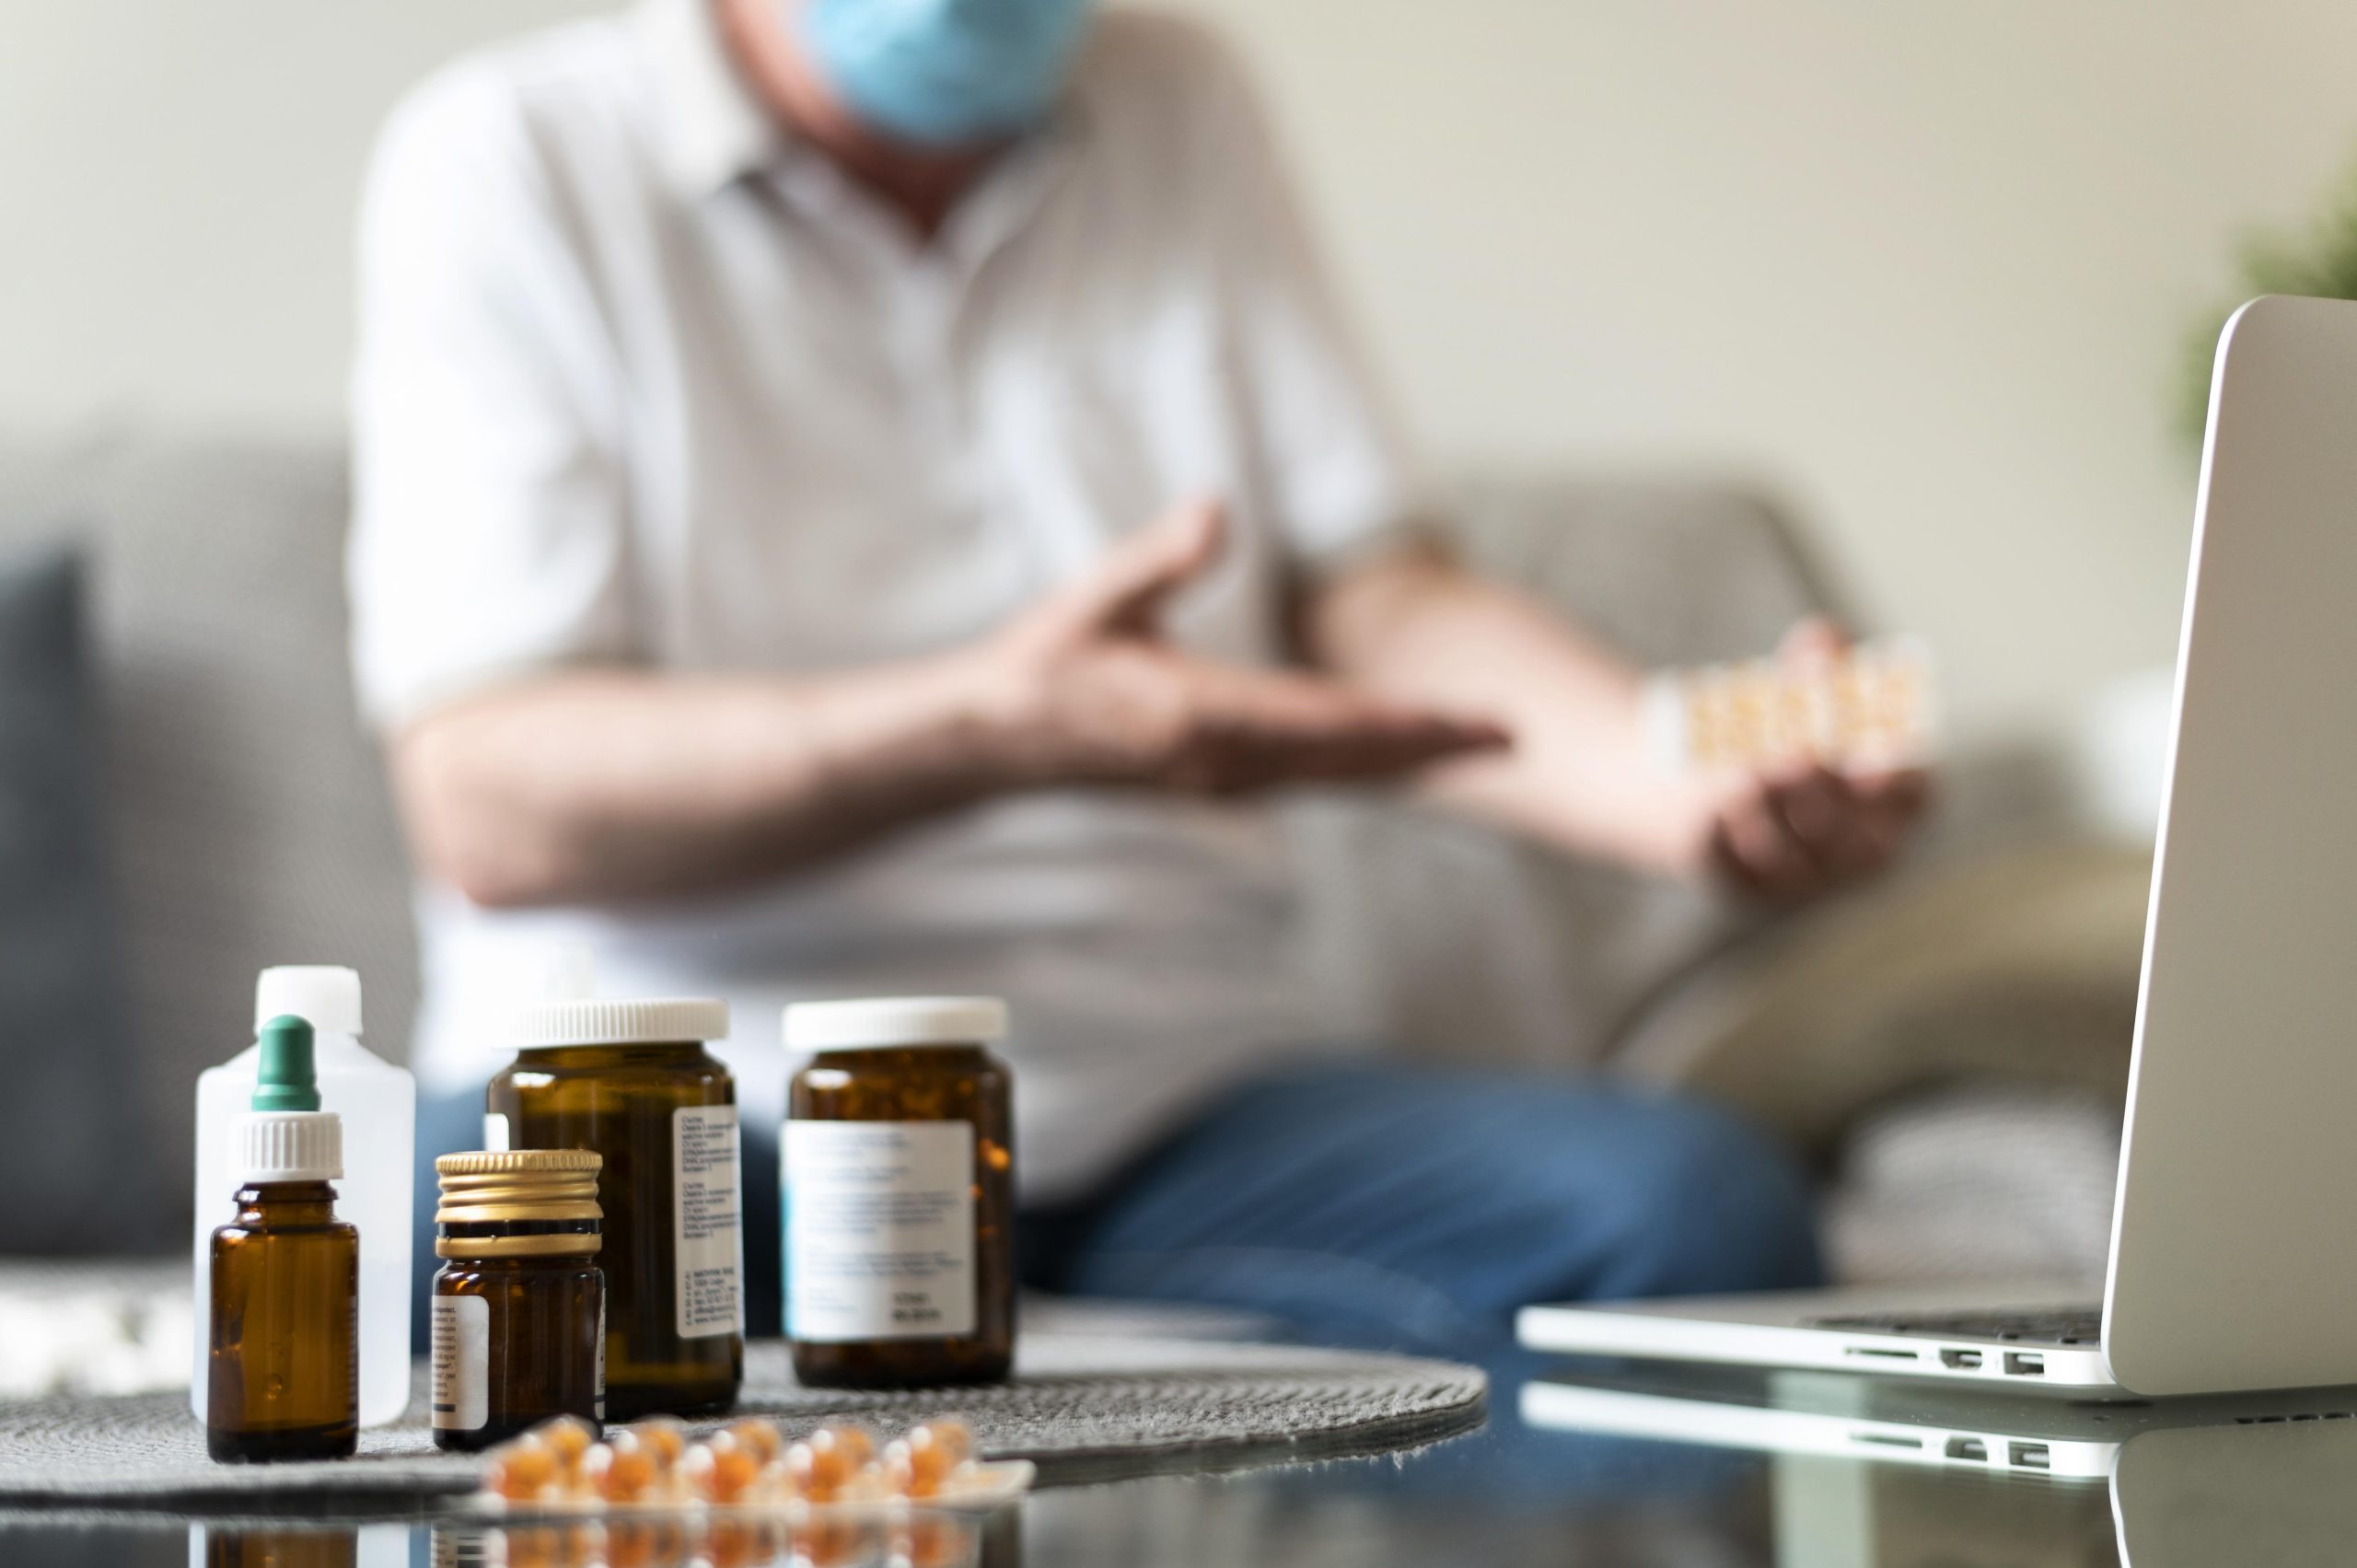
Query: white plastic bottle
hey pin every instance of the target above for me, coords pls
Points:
(379, 1104)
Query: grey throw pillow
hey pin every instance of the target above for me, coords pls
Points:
(74, 1160)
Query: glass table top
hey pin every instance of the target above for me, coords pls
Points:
(1570, 1486)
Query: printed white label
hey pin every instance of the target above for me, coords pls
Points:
(711, 1237)
(601, 1354)
(494, 1132)
(880, 1229)
(461, 1363)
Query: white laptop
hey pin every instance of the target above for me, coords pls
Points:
(2234, 1241)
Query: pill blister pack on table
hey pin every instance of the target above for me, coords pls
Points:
(560, 1468)
(1872, 707)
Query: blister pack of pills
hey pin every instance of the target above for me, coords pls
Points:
(654, 1467)
(1872, 707)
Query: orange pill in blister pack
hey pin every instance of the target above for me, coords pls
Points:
(759, 1438)
(523, 1471)
(719, 1471)
(916, 1465)
(664, 1438)
(622, 1469)
(827, 1465)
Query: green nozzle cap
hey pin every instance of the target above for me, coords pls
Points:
(285, 1078)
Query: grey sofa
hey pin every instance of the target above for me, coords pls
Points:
(251, 825)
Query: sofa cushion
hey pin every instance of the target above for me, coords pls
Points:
(1980, 1179)
(249, 816)
(73, 1153)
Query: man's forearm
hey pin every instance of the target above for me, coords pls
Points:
(603, 787)
(596, 786)
(1414, 627)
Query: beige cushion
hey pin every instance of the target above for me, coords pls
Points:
(2020, 965)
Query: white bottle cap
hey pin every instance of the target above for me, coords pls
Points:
(292, 1145)
(651, 1021)
(326, 997)
(885, 1022)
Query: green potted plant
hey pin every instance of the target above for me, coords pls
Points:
(2319, 262)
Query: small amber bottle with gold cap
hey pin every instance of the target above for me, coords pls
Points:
(519, 1304)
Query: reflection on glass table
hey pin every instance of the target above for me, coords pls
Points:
(2231, 1493)
(1897, 1419)
(2274, 1492)
(923, 1539)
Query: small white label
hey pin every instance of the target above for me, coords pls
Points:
(461, 1363)
(711, 1242)
(494, 1132)
(600, 1411)
(879, 1230)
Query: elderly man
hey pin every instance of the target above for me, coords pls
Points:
(860, 496)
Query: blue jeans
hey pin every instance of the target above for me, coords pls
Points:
(1373, 1202)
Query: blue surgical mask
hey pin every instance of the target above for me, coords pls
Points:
(945, 73)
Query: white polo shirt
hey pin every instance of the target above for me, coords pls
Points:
(641, 381)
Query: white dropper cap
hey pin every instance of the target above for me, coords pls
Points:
(292, 1145)
(325, 995)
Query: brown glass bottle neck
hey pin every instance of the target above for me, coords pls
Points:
(553, 1262)
(286, 1202)
(542, 1239)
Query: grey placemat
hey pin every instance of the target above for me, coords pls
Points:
(1085, 1407)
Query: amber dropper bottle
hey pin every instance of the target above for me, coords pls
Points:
(286, 1346)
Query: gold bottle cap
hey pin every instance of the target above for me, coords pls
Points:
(518, 1186)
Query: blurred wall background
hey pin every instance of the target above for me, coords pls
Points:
(1926, 269)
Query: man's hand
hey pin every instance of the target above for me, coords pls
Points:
(1794, 832)
(1090, 693)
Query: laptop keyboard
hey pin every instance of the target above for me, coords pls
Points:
(2047, 1325)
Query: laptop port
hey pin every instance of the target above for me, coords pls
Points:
(1874, 1353)
(2029, 1456)
(1886, 1440)
(2024, 1363)
(1970, 1448)
(1962, 1359)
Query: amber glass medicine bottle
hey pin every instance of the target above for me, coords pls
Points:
(632, 1082)
(284, 1344)
(519, 1304)
(897, 1177)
